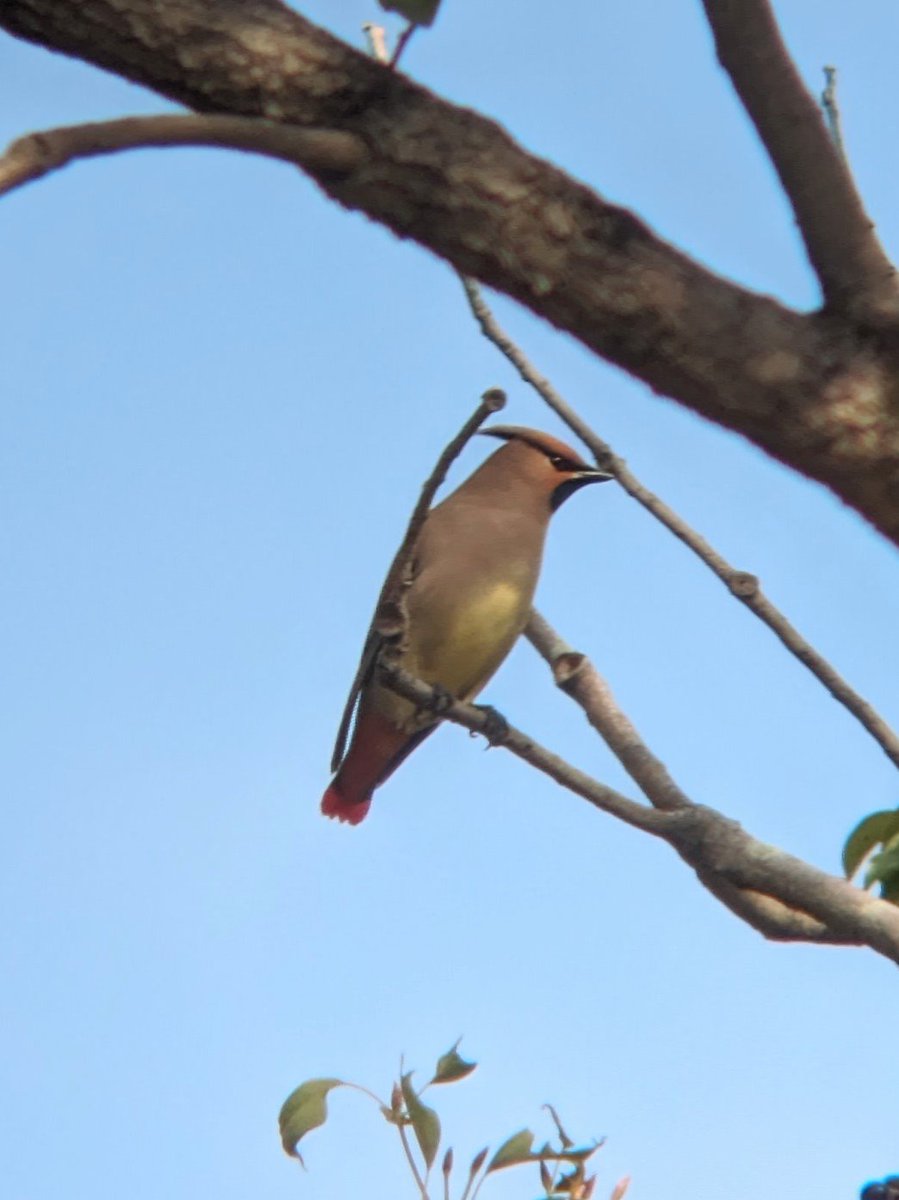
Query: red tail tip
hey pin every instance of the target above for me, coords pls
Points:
(335, 804)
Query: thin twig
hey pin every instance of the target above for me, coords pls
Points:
(389, 623)
(30, 157)
(741, 584)
(832, 109)
(708, 841)
(422, 1187)
(855, 273)
(397, 576)
(477, 720)
(376, 36)
(402, 42)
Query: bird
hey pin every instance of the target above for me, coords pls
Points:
(474, 571)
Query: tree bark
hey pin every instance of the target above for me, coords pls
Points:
(818, 391)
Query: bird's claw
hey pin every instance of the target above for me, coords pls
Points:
(441, 700)
(496, 727)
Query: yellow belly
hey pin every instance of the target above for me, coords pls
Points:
(475, 640)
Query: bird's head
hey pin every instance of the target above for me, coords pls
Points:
(551, 466)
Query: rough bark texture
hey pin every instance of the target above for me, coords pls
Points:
(817, 391)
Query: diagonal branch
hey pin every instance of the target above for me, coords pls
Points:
(855, 273)
(779, 894)
(37, 154)
(387, 631)
(390, 604)
(744, 586)
(578, 678)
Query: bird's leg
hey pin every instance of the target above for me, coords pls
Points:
(496, 727)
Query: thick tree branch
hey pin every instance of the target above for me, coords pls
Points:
(36, 154)
(856, 276)
(818, 907)
(744, 586)
(809, 389)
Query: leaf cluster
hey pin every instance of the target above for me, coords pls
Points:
(562, 1165)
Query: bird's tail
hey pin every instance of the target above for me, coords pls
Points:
(345, 808)
(375, 752)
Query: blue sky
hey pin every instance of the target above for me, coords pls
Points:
(220, 397)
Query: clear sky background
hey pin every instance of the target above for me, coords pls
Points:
(220, 396)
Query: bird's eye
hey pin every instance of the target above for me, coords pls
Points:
(562, 464)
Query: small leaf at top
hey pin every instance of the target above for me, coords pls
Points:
(871, 831)
(304, 1109)
(424, 1121)
(514, 1150)
(452, 1066)
(419, 12)
(563, 1136)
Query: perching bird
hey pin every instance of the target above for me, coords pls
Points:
(474, 572)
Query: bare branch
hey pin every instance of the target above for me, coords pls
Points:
(712, 844)
(397, 581)
(855, 273)
(744, 882)
(741, 584)
(402, 42)
(387, 631)
(376, 36)
(579, 679)
(30, 157)
(480, 720)
(769, 917)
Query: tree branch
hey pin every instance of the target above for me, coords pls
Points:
(855, 274)
(744, 586)
(712, 844)
(390, 614)
(386, 635)
(578, 678)
(810, 390)
(30, 157)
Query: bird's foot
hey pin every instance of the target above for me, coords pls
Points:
(496, 727)
(441, 700)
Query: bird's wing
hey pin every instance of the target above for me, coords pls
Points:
(370, 653)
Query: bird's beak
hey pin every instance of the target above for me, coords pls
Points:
(574, 482)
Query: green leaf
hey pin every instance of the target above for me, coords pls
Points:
(304, 1109)
(419, 12)
(452, 1066)
(514, 1150)
(873, 830)
(424, 1121)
